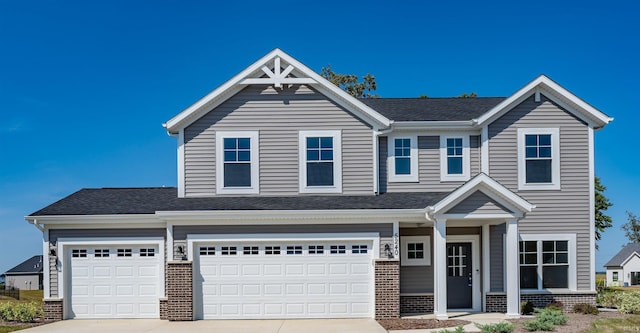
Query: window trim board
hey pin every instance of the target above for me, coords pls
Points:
(572, 270)
(414, 175)
(254, 136)
(337, 161)
(555, 159)
(405, 241)
(466, 158)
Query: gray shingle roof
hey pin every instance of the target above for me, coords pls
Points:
(432, 109)
(626, 251)
(107, 201)
(29, 266)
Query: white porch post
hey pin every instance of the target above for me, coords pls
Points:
(486, 264)
(512, 270)
(170, 242)
(440, 269)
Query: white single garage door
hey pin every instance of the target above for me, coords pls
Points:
(284, 280)
(114, 281)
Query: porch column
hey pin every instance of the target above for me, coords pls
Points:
(512, 270)
(440, 269)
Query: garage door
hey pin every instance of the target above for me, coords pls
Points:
(114, 282)
(284, 280)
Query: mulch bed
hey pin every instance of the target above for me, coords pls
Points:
(577, 322)
(412, 324)
(19, 324)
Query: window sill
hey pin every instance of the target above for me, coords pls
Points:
(538, 187)
(403, 179)
(320, 189)
(238, 190)
(547, 291)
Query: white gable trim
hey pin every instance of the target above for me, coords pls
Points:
(629, 258)
(553, 91)
(253, 75)
(488, 186)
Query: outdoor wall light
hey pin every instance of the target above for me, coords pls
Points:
(387, 251)
(52, 252)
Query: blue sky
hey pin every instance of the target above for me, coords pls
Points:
(86, 85)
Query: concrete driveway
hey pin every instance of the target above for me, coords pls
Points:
(210, 326)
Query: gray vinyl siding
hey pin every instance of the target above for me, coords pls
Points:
(557, 211)
(419, 279)
(428, 166)
(478, 203)
(278, 116)
(385, 230)
(496, 255)
(55, 234)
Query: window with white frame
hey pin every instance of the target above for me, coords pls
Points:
(615, 276)
(455, 162)
(538, 158)
(415, 251)
(320, 155)
(402, 158)
(547, 262)
(237, 164)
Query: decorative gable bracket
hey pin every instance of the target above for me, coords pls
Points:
(278, 76)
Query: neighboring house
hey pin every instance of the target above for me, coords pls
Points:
(296, 200)
(2, 279)
(26, 276)
(624, 268)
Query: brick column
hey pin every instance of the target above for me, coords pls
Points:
(387, 279)
(179, 291)
(53, 309)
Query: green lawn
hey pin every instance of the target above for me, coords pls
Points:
(616, 325)
(26, 296)
(7, 329)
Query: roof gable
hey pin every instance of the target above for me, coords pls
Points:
(276, 68)
(479, 203)
(556, 93)
(511, 202)
(623, 255)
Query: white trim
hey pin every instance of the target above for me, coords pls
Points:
(170, 253)
(475, 267)
(571, 238)
(426, 243)
(486, 263)
(45, 263)
(396, 240)
(484, 150)
(512, 269)
(376, 169)
(629, 258)
(466, 158)
(488, 186)
(414, 176)
(64, 258)
(592, 217)
(439, 269)
(576, 105)
(337, 161)
(181, 172)
(555, 159)
(255, 162)
(303, 75)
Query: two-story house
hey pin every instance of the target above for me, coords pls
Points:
(297, 200)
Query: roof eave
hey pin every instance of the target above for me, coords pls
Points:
(435, 125)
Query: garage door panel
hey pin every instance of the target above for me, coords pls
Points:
(300, 281)
(103, 284)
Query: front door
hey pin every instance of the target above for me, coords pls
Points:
(459, 276)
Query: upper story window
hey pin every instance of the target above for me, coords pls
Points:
(538, 159)
(320, 162)
(237, 162)
(455, 162)
(403, 159)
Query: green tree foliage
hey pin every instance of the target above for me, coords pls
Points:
(351, 83)
(602, 220)
(632, 228)
(465, 95)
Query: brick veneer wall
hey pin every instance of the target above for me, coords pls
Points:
(498, 302)
(387, 280)
(164, 303)
(179, 291)
(53, 310)
(415, 304)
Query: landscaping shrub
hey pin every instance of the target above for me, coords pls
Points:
(503, 327)
(526, 308)
(458, 329)
(555, 305)
(630, 303)
(585, 309)
(610, 298)
(546, 320)
(22, 312)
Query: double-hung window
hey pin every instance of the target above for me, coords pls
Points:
(547, 262)
(320, 161)
(538, 158)
(403, 159)
(455, 163)
(237, 162)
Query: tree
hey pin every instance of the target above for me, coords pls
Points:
(351, 84)
(602, 220)
(632, 228)
(465, 95)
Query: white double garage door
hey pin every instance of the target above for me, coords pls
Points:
(284, 279)
(245, 279)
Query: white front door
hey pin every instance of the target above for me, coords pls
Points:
(114, 281)
(285, 279)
